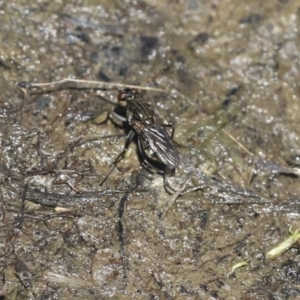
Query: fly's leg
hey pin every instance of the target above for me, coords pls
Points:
(150, 163)
(121, 155)
(169, 189)
(172, 135)
(170, 126)
(112, 116)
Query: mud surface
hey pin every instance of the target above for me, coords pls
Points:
(230, 74)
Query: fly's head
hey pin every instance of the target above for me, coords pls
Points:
(137, 112)
(127, 95)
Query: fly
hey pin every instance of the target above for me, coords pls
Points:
(151, 134)
(145, 124)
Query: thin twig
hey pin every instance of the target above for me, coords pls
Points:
(121, 210)
(83, 85)
(174, 197)
(22, 207)
(238, 143)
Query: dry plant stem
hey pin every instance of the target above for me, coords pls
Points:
(174, 197)
(238, 143)
(85, 84)
(121, 211)
(252, 173)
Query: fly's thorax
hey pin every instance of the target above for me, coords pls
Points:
(138, 111)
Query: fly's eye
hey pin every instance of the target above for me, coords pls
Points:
(122, 96)
(127, 94)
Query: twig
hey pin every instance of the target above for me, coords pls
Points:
(84, 84)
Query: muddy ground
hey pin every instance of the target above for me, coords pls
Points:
(230, 74)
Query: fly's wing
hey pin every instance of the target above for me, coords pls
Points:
(161, 144)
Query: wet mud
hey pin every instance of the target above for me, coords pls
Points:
(229, 71)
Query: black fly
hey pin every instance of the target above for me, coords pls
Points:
(155, 145)
(151, 134)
